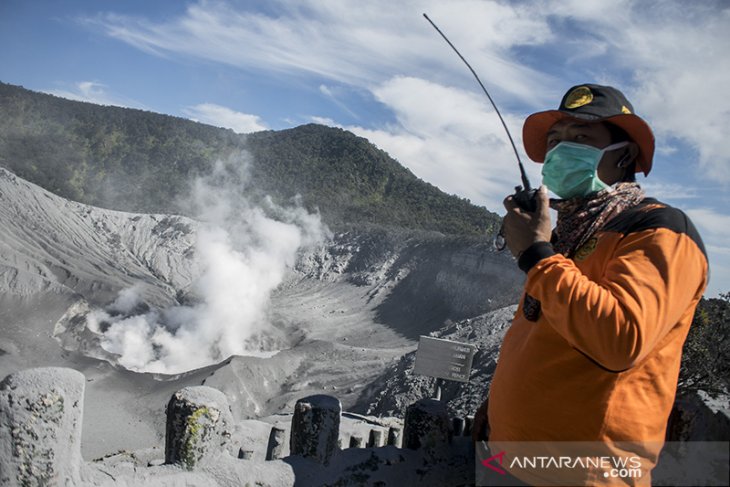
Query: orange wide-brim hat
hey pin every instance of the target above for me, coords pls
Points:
(593, 103)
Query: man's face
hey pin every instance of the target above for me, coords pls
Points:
(595, 134)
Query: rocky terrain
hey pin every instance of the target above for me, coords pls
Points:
(398, 387)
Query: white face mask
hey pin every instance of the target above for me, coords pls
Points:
(571, 170)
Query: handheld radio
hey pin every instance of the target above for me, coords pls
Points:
(525, 195)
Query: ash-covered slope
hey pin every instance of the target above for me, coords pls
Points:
(55, 254)
(50, 243)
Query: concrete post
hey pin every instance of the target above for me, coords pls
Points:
(199, 425)
(458, 425)
(394, 436)
(316, 427)
(40, 427)
(426, 425)
(356, 441)
(376, 438)
(245, 454)
(468, 425)
(275, 448)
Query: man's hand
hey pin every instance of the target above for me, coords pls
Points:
(521, 228)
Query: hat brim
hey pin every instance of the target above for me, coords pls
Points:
(537, 125)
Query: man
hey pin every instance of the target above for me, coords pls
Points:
(594, 350)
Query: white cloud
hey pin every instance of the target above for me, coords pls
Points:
(220, 116)
(356, 43)
(715, 230)
(334, 94)
(94, 92)
(324, 121)
(669, 191)
(712, 224)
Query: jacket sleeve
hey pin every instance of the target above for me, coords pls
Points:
(648, 285)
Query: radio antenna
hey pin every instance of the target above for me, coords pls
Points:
(525, 181)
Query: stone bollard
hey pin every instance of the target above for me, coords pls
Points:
(40, 427)
(275, 448)
(694, 417)
(394, 436)
(199, 423)
(457, 426)
(245, 454)
(376, 438)
(315, 427)
(468, 425)
(426, 425)
(355, 441)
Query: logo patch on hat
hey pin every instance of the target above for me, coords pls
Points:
(625, 110)
(579, 97)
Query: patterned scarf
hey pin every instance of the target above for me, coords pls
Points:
(579, 218)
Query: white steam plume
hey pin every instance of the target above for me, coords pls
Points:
(244, 252)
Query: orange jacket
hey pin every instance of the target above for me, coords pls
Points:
(594, 350)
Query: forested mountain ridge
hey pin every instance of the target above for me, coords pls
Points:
(134, 160)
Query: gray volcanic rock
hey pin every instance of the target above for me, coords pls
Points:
(199, 425)
(315, 427)
(40, 439)
(697, 416)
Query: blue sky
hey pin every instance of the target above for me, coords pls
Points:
(378, 69)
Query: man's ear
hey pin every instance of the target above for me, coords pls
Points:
(630, 155)
(633, 149)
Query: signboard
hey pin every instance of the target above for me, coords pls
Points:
(444, 359)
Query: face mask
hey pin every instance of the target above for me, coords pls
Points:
(570, 169)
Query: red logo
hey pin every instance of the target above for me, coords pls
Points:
(499, 456)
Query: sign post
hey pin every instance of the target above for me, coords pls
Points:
(444, 359)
